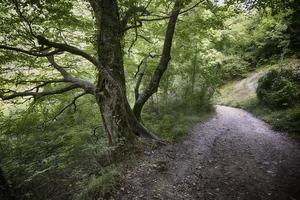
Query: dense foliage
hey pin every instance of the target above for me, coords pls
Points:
(280, 89)
(261, 40)
(56, 148)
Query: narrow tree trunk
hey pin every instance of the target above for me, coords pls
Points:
(193, 77)
(152, 87)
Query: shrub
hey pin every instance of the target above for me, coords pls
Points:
(293, 119)
(234, 68)
(279, 88)
(100, 186)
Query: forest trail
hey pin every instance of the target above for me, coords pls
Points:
(240, 90)
(231, 156)
(247, 86)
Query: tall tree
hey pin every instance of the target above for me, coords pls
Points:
(34, 28)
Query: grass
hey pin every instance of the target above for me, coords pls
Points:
(285, 120)
(174, 123)
(102, 185)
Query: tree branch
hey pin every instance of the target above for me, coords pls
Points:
(167, 17)
(45, 42)
(144, 60)
(89, 87)
(68, 48)
(139, 81)
(43, 84)
(137, 25)
(145, 38)
(35, 95)
(59, 68)
(69, 105)
(86, 85)
(37, 88)
(132, 13)
(152, 87)
(18, 82)
(18, 10)
(31, 53)
(134, 40)
(140, 73)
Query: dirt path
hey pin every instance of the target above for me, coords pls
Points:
(232, 156)
(248, 85)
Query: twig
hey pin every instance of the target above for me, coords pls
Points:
(69, 105)
(167, 17)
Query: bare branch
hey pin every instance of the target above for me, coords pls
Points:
(144, 60)
(134, 40)
(37, 88)
(35, 95)
(137, 25)
(59, 68)
(19, 82)
(73, 103)
(140, 73)
(68, 48)
(41, 81)
(139, 81)
(86, 85)
(167, 17)
(17, 7)
(132, 13)
(31, 53)
(145, 38)
(59, 49)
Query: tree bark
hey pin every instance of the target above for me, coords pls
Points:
(118, 118)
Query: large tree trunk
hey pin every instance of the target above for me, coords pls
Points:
(118, 118)
(111, 93)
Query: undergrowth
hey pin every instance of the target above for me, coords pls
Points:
(173, 123)
(69, 158)
(285, 120)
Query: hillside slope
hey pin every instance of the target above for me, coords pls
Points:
(242, 94)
